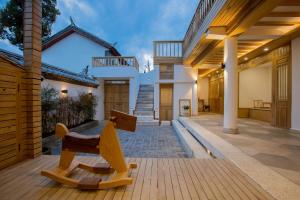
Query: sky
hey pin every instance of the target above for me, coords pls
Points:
(132, 24)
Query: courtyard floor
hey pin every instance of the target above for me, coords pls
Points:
(277, 148)
(146, 141)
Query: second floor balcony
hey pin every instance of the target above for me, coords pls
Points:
(116, 61)
(112, 67)
(167, 51)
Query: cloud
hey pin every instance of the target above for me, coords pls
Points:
(83, 6)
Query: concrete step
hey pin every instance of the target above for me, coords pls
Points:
(145, 105)
(144, 118)
(145, 113)
(148, 123)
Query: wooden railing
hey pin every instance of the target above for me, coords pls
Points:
(115, 61)
(167, 49)
(202, 10)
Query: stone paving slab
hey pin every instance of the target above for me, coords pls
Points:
(147, 142)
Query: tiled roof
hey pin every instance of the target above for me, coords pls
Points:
(50, 70)
(74, 29)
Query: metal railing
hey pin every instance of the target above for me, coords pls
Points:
(115, 61)
(202, 11)
(167, 49)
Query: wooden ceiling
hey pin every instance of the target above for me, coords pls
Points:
(272, 21)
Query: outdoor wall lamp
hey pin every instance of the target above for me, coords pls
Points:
(90, 93)
(64, 91)
(196, 81)
(223, 65)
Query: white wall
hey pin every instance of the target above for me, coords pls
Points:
(147, 78)
(73, 91)
(184, 88)
(296, 84)
(203, 87)
(255, 84)
(73, 53)
(120, 73)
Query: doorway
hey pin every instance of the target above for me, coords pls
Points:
(116, 96)
(281, 89)
(166, 102)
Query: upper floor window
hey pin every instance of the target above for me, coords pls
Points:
(166, 72)
(108, 53)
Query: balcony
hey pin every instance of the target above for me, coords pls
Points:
(115, 61)
(167, 52)
(115, 67)
(202, 11)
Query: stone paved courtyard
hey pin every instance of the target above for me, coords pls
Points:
(147, 141)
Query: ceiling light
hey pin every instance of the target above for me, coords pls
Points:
(246, 58)
(266, 49)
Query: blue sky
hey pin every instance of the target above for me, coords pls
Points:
(133, 24)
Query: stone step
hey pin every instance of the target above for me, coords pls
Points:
(144, 105)
(144, 113)
(149, 123)
(144, 118)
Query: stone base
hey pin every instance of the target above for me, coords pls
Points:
(230, 130)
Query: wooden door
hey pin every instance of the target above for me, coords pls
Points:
(166, 102)
(281, 88)
(116, 97)
(10, 105)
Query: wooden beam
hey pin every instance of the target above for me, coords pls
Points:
(272, 45)
(283, 14)
(277, 23)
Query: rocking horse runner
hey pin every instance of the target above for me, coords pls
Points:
(107, 145)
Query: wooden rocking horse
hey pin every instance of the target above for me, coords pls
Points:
(107, 145)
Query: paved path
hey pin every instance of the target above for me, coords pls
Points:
(147, 141)
(274, 147)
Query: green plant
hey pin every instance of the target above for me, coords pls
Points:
(186, 107)
(71, 111)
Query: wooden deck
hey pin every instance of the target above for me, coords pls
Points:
(154, 179)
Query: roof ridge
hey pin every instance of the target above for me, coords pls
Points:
(73, 28)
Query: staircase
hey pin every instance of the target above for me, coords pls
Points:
(144, 109)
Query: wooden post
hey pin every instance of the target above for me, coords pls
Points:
(32, 62)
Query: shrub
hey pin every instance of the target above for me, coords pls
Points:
(71, 111)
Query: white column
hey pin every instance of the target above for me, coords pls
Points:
(295, 85)
(194, 99)
(230, 85)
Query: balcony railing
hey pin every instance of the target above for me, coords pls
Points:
(115, 61)
(171, 49)
(202, 10)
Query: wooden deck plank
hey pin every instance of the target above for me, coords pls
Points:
(198, 186)
(168, 182)
(199, 164)
(238, 193)
(155, 178)
(139, 181)
(161, 180)
(129, 189)
(153, 185)
(183, 185)
(145, 195)
(214, 179)
(220, 177)
(175, 182)
(248, 182)
(188, 180)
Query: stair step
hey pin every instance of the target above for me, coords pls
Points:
(144, 113)
(149, 123)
